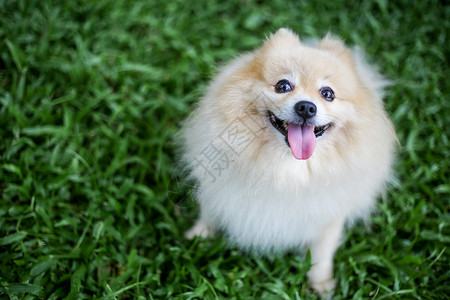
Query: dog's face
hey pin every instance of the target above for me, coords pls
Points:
(313, 102)
(310, 95)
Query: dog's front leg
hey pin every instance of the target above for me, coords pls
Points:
(322, 251)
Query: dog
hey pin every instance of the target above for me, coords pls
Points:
(289, 143)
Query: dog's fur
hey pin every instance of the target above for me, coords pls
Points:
(263, 198)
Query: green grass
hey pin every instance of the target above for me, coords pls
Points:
(92, 204)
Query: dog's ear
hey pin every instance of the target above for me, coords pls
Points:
(335, 45)
(285, 33)
(282, 38)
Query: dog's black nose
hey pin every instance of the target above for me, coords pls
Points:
(305, 109)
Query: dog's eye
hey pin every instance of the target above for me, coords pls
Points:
(283, 86)
(327, 93)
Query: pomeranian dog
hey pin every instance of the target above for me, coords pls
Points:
(290, 143)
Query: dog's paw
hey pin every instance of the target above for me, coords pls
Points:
(199, 229)
(321, 279)
(324, 288)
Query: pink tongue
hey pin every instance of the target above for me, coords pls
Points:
(302, 140)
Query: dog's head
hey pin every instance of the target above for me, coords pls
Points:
(310, 94)
(287, 100)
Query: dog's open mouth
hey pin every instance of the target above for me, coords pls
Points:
(300, 138)
(282, 126)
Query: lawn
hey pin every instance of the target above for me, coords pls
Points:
(92, 202)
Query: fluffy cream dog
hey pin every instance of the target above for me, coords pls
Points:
(289, 143)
